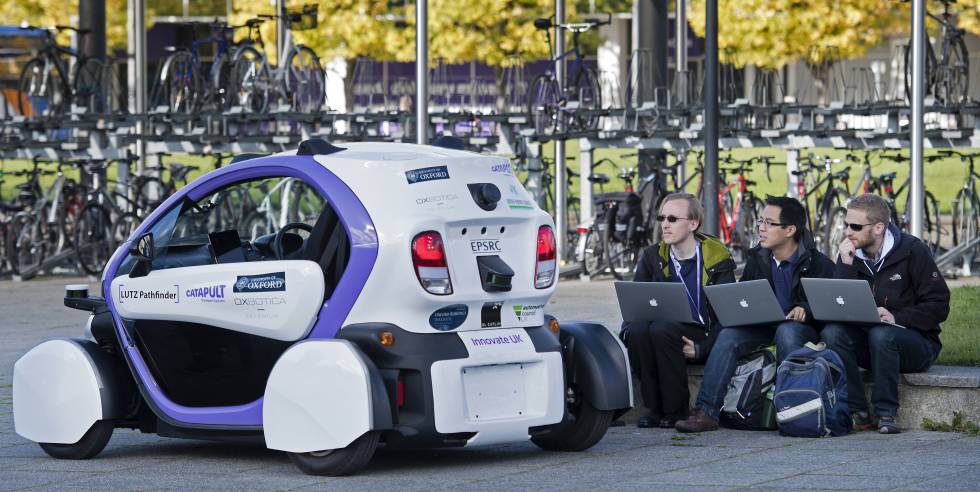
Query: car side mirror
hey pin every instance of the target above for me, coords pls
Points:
(143, 248)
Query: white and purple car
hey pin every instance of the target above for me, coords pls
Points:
(323, 302)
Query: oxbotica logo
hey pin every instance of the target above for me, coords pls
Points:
(527, 311)
(266, 282)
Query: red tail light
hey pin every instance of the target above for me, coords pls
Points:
(547, 253)
(400, 392)
(429, 259)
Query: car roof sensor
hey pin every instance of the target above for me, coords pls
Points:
(317, 146)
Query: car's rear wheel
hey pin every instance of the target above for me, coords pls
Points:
(338, 462)
(91, 444)
(581, 430)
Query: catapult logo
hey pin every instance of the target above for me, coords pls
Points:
(266, 282)
(526, 311)
(427, 174)
(139, 294)
(214, 293)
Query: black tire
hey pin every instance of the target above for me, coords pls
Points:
(966, 223)
(220, 78)
(834, 232)
(180, 83)
(91, 444)
(748, 232)
(94, 87)
(28, 245)
(592, 256)
(93, 238)
(254, 226)
(124, 227)
(931, 225)
(34, 91)
(589, 96)
(930, 70)
(250, 80)
(542, 105)
(338, 462)
(304, 83)
(582, 429)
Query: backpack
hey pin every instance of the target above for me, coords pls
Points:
(811, 394)
(748, 402)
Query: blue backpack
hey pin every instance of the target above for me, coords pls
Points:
(811, 394)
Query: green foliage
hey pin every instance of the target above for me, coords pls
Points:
(959, 424)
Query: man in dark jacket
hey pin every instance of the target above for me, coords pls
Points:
(785, 254)
(908, 290)
(659, 350)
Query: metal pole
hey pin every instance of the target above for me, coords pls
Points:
(421, 72)
(680, 56)
(711, 118)
(560, 185)
(280, 29)
(918, 93)
(137, 72)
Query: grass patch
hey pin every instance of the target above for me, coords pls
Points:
(680, 438)
(959, 424)
(961, 340)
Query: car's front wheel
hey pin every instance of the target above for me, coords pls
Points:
(91, 444)
(338, 462)
(582, 428)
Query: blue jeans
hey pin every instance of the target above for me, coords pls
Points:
(734, 343)
(887, 351)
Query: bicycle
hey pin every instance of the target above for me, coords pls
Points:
(48, 87)
(931, 220)
(548, 103)
(948, 75)
(179, 85)
(966, 205)
(738, 207)
(827, 213)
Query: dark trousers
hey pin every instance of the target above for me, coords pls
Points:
(656, 351)
(734, 343)
(886, 351)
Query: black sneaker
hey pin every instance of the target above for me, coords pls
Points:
(861, 421)
(649, 420)
(888, 425)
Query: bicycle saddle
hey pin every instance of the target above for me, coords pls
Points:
(598, 178)
(542, 24)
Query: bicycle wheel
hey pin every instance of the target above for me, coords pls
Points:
(91, 86)
(592, 256)
(93, 238)
(955, 79)
(931, 225)
(27, 244)
(220, 78)
(249, 80)
(827, 207)
(542, 107)
(180, 84)
(254, 226)
(834, 231)
(589, 97)
(966, 223)
(748, 232)
(930, 70)
(40, 91)
(304, 81)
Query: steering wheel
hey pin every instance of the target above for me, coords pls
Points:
(277, 242)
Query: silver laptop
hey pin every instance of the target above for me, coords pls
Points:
(653, 301)
(843, 300)
(745, 303)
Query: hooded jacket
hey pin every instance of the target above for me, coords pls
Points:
(811, 264)
(718, 267)
(908, 284)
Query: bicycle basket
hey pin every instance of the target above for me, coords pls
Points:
(304, 19)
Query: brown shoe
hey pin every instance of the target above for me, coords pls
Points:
(697, 422)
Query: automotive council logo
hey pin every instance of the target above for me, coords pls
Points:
(266, 282)
(526, 311)
(427, 174)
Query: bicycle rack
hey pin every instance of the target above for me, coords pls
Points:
(965, 252)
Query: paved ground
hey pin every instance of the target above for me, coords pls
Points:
(628, 458)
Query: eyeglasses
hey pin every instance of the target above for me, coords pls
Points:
(856, 227)
(766, 224)
(670, 218)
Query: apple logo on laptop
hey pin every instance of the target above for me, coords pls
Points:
(653, 302)
(840, 300)
(743, 303)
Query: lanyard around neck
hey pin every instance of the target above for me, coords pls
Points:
(696, 299)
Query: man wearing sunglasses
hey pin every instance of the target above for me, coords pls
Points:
(909, 291)
(660, 350)
(786, 253)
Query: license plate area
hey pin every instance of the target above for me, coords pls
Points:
(495, 392)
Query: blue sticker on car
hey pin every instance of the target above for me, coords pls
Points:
(427, 174)
(449, 317)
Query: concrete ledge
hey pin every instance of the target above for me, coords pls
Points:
(934, 394)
